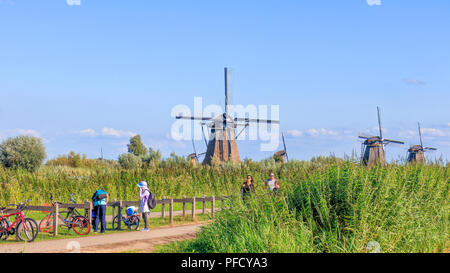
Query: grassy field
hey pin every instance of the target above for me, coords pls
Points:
(326, 205)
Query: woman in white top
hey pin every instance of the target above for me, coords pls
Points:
(272, 183)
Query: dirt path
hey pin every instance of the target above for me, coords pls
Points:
(119, 242)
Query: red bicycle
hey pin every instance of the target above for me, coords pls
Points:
(26, 229)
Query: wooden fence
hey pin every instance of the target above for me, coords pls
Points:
(119, 205)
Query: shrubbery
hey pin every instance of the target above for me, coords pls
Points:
(26, 152)
(130, 161)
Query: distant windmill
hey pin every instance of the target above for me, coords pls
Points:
(282, 153)
(222, 140)
(373, 147)
(194, 157)
(416, 153)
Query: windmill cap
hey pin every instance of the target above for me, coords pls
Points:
(142, 184)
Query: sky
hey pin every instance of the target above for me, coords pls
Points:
(88, 75)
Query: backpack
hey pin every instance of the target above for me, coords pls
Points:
(99, 195)
(151, 201)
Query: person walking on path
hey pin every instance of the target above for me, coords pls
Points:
(100, 199)
(247, 187)
(272, 183)
(144, 194)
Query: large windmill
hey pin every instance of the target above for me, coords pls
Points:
(222, 136)
(416, 153)
(373, 147)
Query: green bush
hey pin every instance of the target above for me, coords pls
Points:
(26, 152)
(130, 161)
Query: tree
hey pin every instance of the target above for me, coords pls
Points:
(153, 158)
(130, 161)
(136, 146)
(25, 152)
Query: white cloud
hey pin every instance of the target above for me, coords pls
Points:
(434, 132)
(29, 132)
(322, 132)
(295, 133)
(88, 132)
(414, 82)
(117, 133)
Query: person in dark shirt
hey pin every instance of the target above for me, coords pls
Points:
(247, 187)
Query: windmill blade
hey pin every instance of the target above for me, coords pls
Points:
(284, 144)
(379, 123)
(193, 118)
(268, 121)
(195, 150)
(420, 135)
(203, 134)
(228, 89)
(364, 137)
(386, 141)
(430, 149)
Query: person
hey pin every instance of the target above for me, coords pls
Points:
(144, 194)
(100, 199)
(247, 187)
(272, 183)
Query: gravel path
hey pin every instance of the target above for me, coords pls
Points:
(107, 243)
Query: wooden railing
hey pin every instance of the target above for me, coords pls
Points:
(119, 205)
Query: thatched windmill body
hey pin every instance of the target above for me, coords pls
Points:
(373, 147)
(416, 153)
(222, 135)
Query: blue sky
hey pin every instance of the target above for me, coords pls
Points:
(89, 76)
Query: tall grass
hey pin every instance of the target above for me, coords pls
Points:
(325, 205)
(340, 207)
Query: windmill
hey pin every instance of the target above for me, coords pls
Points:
(373, 147)
(416, 153)
(194, 156)
(282, 153)
(222, 136)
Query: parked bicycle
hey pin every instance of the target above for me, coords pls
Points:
(131, 220)
(73, 220)
(26, 229)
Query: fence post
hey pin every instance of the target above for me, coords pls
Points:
(171, 210)
(193, 208)
(223, 202)
(163, 209)
(204, 204)
(213, 202)
(114, 210)
(184, 206)
(55, 219)
(119, 213)
(89, 210)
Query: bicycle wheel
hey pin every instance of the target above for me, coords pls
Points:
(81, 225)
(134, 222)
(4, 225)
(46, 224)
(27, 230)
(115, 223)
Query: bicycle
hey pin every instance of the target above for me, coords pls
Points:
(73, 220)
(26, 229)
(129, 221)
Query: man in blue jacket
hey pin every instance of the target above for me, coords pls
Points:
(100, 199)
